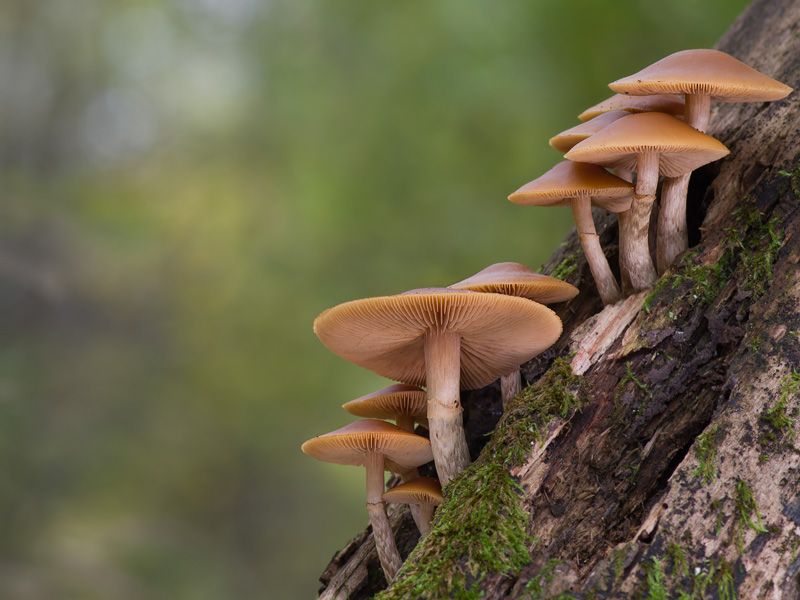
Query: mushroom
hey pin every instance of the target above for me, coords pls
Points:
(564, 141)
(424, 492)
(665, 103)
(515, 279)
(377, 445)
(447, 340)
(649, 143)
(701, 75)
(581, 186)
(402, 402)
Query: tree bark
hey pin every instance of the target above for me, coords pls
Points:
(670, 463)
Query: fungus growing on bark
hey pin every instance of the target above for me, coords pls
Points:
(424, 492)
(446, 340)
(404, 403)
(581, 186)
(564, 141)
(702, 76)
(664, 103)
(378, 446)
(514, 279)
(648, 143)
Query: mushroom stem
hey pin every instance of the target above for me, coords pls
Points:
(510, 386)
(635, 258)
(405, 422)
(590, 241)
(627, 288)
(425, 518)
(381, 529)
(673, 237)
(443, 372)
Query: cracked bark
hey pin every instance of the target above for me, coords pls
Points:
(619, 492)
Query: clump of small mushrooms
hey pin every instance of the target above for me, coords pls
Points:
(439, 341)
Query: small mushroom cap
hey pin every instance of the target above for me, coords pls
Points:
(422, 490)
(350, 444)
(387, 334)
(388, 403)
(709, 72)
(665, 103)
(564, 141)
(569, 179)
(681, 148)
(515, 279)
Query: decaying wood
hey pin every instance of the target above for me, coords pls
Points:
(681, 473)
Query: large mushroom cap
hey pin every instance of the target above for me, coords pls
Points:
(348, 446)
(569, 179)
(665, 103)
(515, 279)
(681, 148)
(387, 334)
(421, 490)
(564, 141)
(709, 72)
(388, 403)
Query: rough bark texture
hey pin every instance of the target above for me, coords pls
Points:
(664, 462)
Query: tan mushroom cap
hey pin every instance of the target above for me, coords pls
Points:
(569, 179)
(665, 103)
(515, 279)
(709, 72)
(387, 334)
(421, 490)
(397, 399)
(564, 141)
(681, 148)
(348, 446)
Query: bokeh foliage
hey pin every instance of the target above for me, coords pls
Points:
(186, 184)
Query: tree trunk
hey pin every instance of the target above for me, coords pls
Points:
(654, 453)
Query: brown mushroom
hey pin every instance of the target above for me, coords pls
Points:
(376, 445)
(564, 141)
(665, 103)
(581, 186)
(446, 340)
(402, 402)
(515, 279)
(424, 492)
(649, 143)
(702, 76)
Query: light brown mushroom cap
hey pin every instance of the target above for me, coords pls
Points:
(681, 148)
(564, 141)
(515, 279)
(387, 334)
(422, 490)
(569, 179)
(388, 403)
(665, 103)
(708, 72)
(348, 446)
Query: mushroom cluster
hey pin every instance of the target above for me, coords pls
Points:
(437, 342)
(648, 139)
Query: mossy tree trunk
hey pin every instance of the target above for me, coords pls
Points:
(654, 454)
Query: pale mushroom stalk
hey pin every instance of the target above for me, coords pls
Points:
(425, 517)
(381, 529)
(590, 241)
(445, 415)
(510, 386)
(635, 260)
(673, 236)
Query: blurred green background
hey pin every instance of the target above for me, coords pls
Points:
(186, 184)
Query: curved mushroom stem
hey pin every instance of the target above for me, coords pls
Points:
(510, 386)
(672, 231)
(381, 529)
(627, 288)
(426, 516)
(407, 476)
(590, 241)
(635, 258)
(443, 369)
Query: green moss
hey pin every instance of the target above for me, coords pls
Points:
(706, 452)
(715, 572)
(794, 179)
(565, 269)
(677, 554)
(629, 377)
(745, 509)
(481, 527)
(656, 588)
